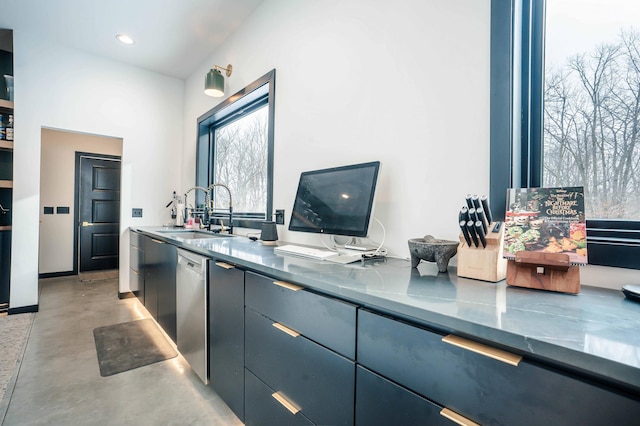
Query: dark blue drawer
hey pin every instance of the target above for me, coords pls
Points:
(481, 388)
(136, 258)
(325, 320)
(318, 381)
(136, 283)
(381, 402)
(135, 239)
(262, 409)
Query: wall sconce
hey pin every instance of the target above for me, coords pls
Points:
(214, 83)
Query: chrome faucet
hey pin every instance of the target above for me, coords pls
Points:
(210, 191)
(205, 214)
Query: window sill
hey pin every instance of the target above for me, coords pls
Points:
(607, 276)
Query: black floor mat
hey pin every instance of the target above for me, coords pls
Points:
(123, 347)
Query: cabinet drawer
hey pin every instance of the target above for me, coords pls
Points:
(136, 281)
(483, 389)
(135, 258)
(328, 321)
(135, 239)
(381, 402)
(315, 379)
(263, 409)
(226, 334)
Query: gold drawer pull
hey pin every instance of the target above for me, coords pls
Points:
(286, 329)
(479, 348)
(224, 265)
(288, 285)
(157, 241)
(286, 404)
(457, 418)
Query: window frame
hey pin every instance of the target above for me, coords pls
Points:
(256, 95)
(516, 109)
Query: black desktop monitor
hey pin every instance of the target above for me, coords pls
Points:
(336, 201)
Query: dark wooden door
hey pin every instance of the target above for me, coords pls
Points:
(98, 212)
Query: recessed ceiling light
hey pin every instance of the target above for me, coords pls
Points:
(125, 39)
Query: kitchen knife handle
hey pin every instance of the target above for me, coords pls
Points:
(485, 205)
(472, 215)
(468, 200)
(475, 200)
(481, 234)
(464, 214)
(482, 218)
(465, 232)
(472, 232)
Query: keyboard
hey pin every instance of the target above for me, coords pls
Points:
(306, 252)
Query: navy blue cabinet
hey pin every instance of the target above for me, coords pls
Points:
(136, 265)
(328, 321)
(381, 402)
(5, 268)
(484, 385)
(160, 261)
(293, 344)
(226, 334)
(263, 409)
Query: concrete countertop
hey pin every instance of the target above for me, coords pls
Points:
(596, 332)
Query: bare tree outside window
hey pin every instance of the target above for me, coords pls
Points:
(592, 126)
(240, 162)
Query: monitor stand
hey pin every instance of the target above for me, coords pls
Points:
(355, 244)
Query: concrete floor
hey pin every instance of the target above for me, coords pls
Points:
(59, 382)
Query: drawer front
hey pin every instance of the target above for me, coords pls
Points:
(226, 334)
(381, 402)
(328, 321)
(135, 258)
(263, 409)
(317, 380)
(136, 281)
(135, 239)
(483, 389)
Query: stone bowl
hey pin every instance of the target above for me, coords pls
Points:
(432, 250)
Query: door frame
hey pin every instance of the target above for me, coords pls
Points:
(76, 202)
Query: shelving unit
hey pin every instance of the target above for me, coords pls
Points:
(6, 184)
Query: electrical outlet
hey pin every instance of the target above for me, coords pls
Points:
(136, 212)
(279, 217)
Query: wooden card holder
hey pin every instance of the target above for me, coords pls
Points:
(483, 263)
(544, 271)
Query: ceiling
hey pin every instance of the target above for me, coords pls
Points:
(171, 37)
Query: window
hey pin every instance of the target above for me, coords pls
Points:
(565, 112)
(235, 148)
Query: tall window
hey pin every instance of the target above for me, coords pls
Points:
(565, 111)
(592, 103)
(239, 157)
(235, 148)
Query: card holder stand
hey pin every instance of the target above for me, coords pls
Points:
(544, 271)
(483, 263)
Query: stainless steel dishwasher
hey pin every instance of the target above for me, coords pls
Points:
(191, 311)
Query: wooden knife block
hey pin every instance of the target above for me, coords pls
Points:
(485, 264)
(544, 271)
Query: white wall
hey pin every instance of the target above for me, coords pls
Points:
(62, 88)
(57, 188)
(406, 83)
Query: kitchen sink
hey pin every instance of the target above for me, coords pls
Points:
(188, 234)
